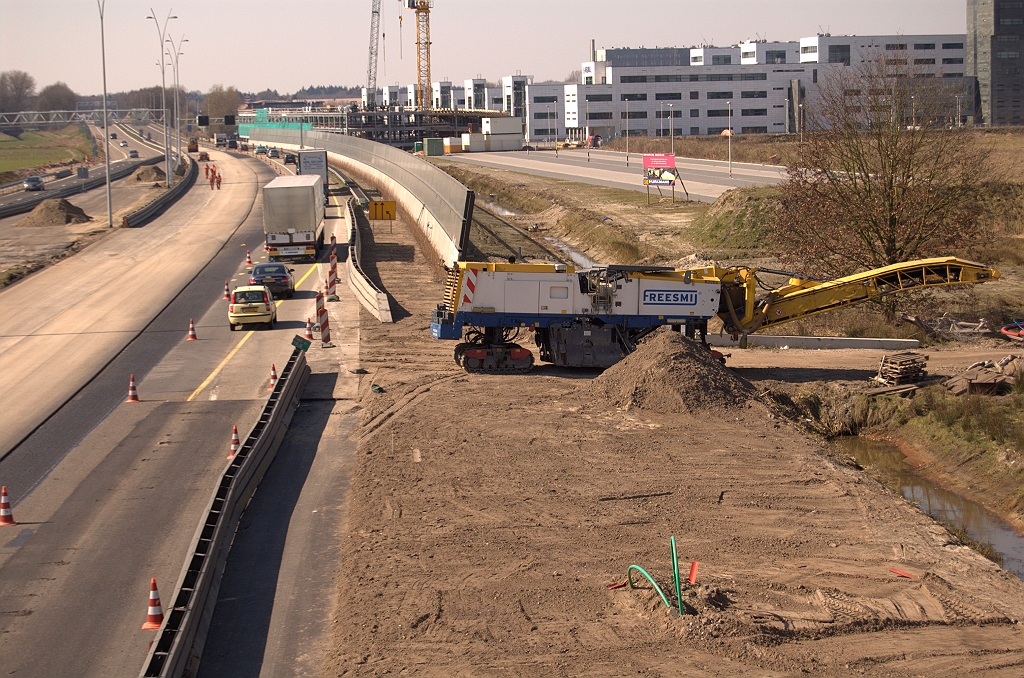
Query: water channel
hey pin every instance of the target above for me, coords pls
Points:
(575, 256)
(947, 507)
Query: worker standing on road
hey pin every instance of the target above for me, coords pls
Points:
(213, 170)
(213, 180)
(206, 170)
(218, 182)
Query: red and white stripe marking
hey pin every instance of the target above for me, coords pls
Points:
(469, 285)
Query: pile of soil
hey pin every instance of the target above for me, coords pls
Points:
(55, 212)
(672, 374)
(149, 173)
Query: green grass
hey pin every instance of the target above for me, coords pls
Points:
(738, 220)
(37, 148)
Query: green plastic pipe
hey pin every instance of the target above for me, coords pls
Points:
(675, 577)
(629, 578)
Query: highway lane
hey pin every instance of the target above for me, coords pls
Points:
(122, 505)
(61, 325)
(705, 180)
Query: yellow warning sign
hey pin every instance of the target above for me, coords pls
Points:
(382, 210)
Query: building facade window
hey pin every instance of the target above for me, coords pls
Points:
(716, 130)
(545, 100)
(542, 132)
(720, 95)
(754, 130)
(718, 113)
(924, 45)
(696, 60)
(695, 95)
(1007, 38)
(953, 60)
(809, 49)
(775, 56)
(1011, 5)
(898, 62)
(599, 97)
(633, 78)
(952, 45)
(694, 131)
(721, 60)
(668, 78)
(634, 97)
(694, 112)
(545, 115)
(754, 111)
(1011, 21)
(756, 76)
(668, 96)
(668, 114)
(839, 54)
(896, 47)
(1007, 55)
(599, 115)
(762, 94)
(633, 115)
(924, 62)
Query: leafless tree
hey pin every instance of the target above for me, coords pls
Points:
(574, 76)
(16, 91)
(885, 175)
(221, 101)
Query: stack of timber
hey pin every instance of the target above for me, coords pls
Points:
(987, 378)
(902, 368)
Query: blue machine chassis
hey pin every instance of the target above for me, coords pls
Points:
(440, 329)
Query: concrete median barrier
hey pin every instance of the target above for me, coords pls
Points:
(373, 300)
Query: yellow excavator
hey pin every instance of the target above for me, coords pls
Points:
(594, 317)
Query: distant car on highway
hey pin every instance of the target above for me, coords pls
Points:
(289, 158)
(133, 153)
(204, 156)
(275, 277)
(261, 150)
(250, 305)
(33, 184)
(124, 143)
(113, 135)
(273, 153)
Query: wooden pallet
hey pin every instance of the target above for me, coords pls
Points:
(898, 369)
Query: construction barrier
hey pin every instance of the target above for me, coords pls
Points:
(373, 300)
(440, 206)
(178, 647)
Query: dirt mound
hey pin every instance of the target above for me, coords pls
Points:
(670, 373)
(739, 217)
(55, 212)
(149, 173)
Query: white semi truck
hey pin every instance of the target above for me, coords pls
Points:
(293, 217)
(313, 162)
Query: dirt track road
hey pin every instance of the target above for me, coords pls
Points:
(489, 514)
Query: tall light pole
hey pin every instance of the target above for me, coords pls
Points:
(672, 128)
(175, 54)
(729, 132)
(547, 115)
(588, 125)
(627, 132)
(801, 123)
(106, 133)
(162, 33)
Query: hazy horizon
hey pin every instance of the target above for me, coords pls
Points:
(287, 45)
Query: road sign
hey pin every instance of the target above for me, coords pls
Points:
(660, 169)
(300, 343)
(382, 210)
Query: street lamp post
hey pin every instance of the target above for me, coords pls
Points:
(661, 116)
(100, 4)
(162, 33)
(627, 132)
(587, 128)
(729, 132)
(801, 123)
(672, 128)
(175, 54)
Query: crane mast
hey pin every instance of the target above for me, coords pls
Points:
(422, 8)
(371, 68)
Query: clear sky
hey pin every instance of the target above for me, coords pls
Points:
(288, 44)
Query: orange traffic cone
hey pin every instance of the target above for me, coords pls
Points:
(155, 615)
(309, 330)
(191, 331)
(235, 443)
(6, 517)
(248, 258)
(227, 291)
(273, 375)
(133, 395)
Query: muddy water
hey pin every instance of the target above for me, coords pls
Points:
(945, 506)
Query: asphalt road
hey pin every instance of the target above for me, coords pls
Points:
(109, 494)
(705, 180)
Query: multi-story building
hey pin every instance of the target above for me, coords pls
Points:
(995, 41)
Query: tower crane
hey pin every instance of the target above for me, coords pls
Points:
(371, 67)
(422, 8)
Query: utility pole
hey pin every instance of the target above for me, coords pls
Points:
(729, 132)
(587, 128)
(162, 32)
(177, 110)
(672, 129)
(627, 132)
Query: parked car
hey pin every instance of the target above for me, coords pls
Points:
(133, 153)
(251, 304)
(273, 153)
(261, 150)
(33, 184)
(124, 143)
(275, 277)
(289, 158)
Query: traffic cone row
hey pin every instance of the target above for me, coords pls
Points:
(227, 290)
(191, 331)
(6, 517)
(273, 375)
(309, 330)
(235, 442)
(155, 614)
(133, 395)
(248, 258)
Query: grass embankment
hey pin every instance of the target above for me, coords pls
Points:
(31, 149)
(762, 149)
(606, 224)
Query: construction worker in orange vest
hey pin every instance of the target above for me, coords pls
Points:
(213, 180)
(213, 170)
(206, 170)
(218, 182)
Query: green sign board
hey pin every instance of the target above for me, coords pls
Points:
(300, 343)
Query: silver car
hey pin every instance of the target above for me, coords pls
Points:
(33, 184)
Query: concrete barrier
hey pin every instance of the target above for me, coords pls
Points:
(373, 300)
(162, 202)
(178, 647)
(772, 341)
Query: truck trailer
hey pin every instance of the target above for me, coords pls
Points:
(293, 217)
(313, 162)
